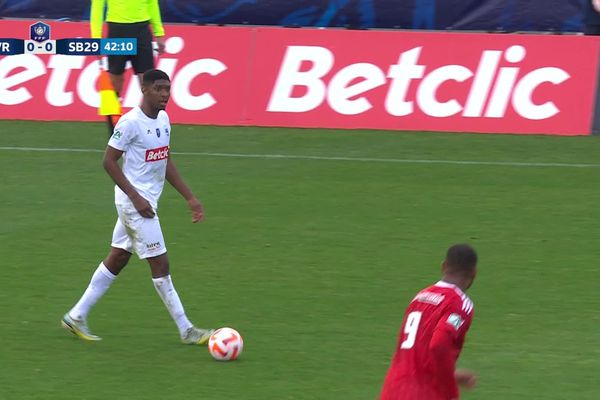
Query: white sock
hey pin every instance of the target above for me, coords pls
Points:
(99, 284)
(169, 296)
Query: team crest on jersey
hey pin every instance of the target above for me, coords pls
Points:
(158, 132)
(148, 133)
(455, 320)
(167, 131)
(117, 135)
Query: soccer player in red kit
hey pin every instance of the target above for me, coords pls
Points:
(432, 335)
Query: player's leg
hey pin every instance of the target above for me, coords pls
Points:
(101, 280)
(144, 59)
(116, 64)
(116, 72)
(117, 80)
(151, 247)
(76, 319)
(116, 260)
(161, 278)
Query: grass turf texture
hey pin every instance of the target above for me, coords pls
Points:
(313, 261)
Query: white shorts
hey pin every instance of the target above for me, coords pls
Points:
(136, 233)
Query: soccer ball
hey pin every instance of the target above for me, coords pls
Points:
(225, 344)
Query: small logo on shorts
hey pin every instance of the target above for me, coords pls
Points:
(153, 246)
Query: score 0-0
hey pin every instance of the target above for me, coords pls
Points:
(46, 47)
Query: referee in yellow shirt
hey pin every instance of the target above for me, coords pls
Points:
(129, 19)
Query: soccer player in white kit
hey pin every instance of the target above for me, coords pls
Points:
(141, 137)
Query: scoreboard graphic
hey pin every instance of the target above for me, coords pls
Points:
(40, 42)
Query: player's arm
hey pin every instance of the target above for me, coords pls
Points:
(441, 346)
(97, 18)
(175, 179)
(453, 325)
(157, 25)
(111, 165)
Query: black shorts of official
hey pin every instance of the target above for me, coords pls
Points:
(144, 60)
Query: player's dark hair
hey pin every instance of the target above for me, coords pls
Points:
(461, 259)
(153, 75)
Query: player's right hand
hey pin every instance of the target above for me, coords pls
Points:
(465, 379)
(143, 207)
(197, 210)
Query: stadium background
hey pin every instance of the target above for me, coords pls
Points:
(487, 15)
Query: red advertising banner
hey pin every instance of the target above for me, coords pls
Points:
(426, 81)
(208, 67)
(330, 78)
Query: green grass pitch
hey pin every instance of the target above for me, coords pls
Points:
(313, 260)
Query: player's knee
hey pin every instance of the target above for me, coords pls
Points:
(159, 266)
(161, 270)
(117, 260)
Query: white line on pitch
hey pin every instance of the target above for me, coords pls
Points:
(332, 158)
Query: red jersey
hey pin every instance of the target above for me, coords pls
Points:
(430, 341)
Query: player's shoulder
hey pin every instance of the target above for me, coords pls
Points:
(163, 116)
(126, 119)
(131, 114)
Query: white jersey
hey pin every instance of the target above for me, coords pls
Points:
(145, 143)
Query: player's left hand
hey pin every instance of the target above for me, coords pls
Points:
(197, 210)
(465, 379)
